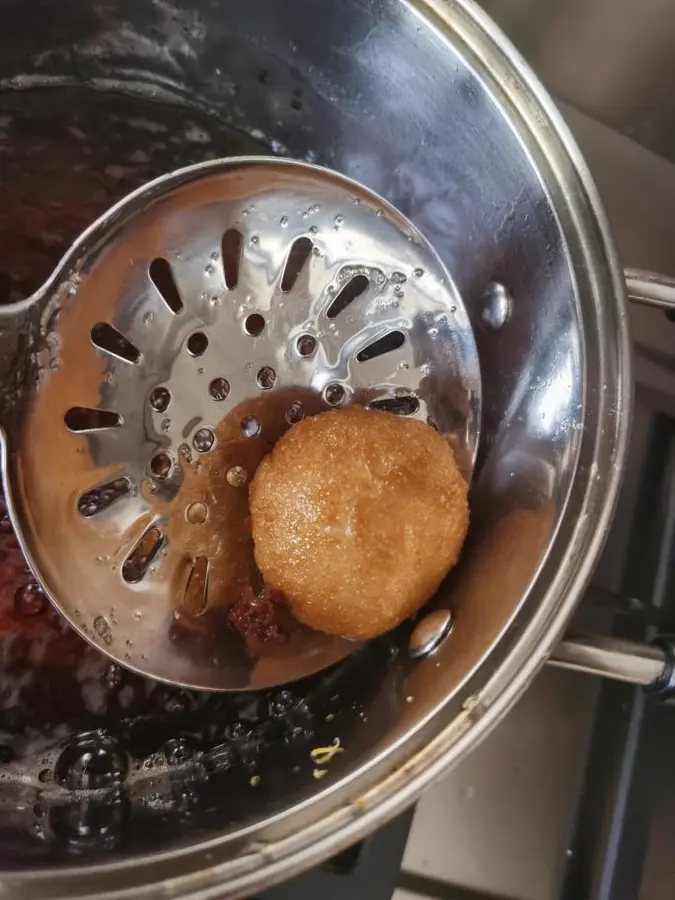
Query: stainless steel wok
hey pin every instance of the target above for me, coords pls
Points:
(428, 104)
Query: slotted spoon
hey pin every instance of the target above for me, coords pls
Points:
(176, 341)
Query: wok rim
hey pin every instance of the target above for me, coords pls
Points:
(380, 793)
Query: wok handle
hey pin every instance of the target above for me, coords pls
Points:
(649, 665)
(650, 289)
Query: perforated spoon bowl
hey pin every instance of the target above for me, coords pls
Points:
(181, 335)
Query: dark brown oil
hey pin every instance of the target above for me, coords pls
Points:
(67, 155)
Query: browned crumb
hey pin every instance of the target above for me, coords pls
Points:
(257, 616)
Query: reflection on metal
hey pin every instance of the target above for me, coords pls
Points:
(429, 633)
(496, 306)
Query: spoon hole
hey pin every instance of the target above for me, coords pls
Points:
(406, 405)
(306, 345)
(219, 389)
(195, 599)
(250, 427)
(83, 419)
(254, 324)
(161, 464)
(197, 344)
(107, 338)
(353, 289)
(266, 378)
(160, 398)
(161, 275)
(99, 498)
(334, 394)
(295, 413)
(231, 249)
(237, 476)
(298, 255)
(140, 559)
(392, 341)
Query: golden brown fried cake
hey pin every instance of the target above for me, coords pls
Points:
(357, 516)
